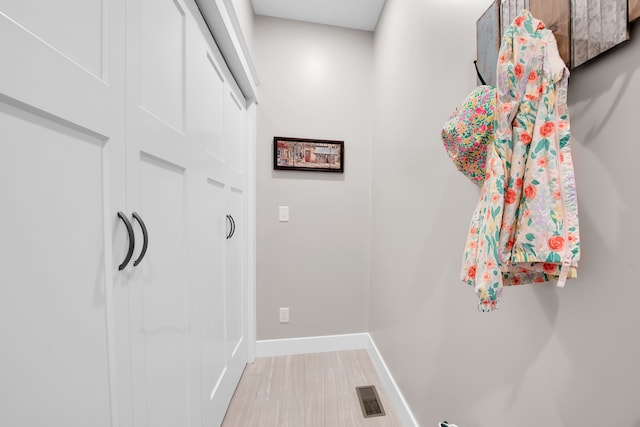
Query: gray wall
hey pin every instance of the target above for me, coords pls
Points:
(316, 82)
(553, 357)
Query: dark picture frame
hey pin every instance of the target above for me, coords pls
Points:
(302, 154)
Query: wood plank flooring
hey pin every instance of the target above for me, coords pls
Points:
(308, 390)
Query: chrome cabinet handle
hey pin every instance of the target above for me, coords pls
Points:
(145, 238)
(132, 240)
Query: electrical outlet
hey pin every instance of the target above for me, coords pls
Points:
(284, 315)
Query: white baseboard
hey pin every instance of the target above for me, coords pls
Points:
(322, 344)
(305, 345)
(390, 386)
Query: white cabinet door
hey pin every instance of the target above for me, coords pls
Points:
(235, 287)
(206, 87)
(64, 357)
(212, 128)
(160, 188)
(235, 130)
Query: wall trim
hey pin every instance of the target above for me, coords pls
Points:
(304, 345)
(322, 344)
(390, 386)
(223, 24)
(251, 232)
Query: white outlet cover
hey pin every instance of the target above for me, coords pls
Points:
(284, 315)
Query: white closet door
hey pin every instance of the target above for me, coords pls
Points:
(206, 85)
(235, 287)
(235, 130)
(64, 350)
(161, 161)
(222, 359)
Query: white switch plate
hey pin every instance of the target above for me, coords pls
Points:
(283, 213)
(284, 315)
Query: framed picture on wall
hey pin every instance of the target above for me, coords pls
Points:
(319, 155)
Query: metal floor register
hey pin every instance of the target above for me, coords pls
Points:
(369, 401)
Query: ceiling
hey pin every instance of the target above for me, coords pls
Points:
(357, 14)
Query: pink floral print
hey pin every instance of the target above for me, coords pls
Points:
(525, 227)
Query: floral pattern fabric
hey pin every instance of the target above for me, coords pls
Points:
(525, 227)
(468, 132)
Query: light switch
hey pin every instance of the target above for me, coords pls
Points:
(283, 213)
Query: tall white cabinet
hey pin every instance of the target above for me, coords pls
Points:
(108, 107)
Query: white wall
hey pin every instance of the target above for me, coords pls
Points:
(553, 357)
(316, 82)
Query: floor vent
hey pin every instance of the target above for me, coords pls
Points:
(369, 401)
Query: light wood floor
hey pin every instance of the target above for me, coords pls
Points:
(309, 390)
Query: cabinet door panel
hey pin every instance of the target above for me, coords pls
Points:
(236, 289)
(53, 302)
(74, 76)
(208, 97)
(161, 60)
(234, 129)
(65, 355)
(159, 289)
(160, 167)
(213, 231)
(209, 132)
(77, 33)
(234, 279)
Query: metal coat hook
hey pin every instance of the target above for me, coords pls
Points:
(475, 62)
